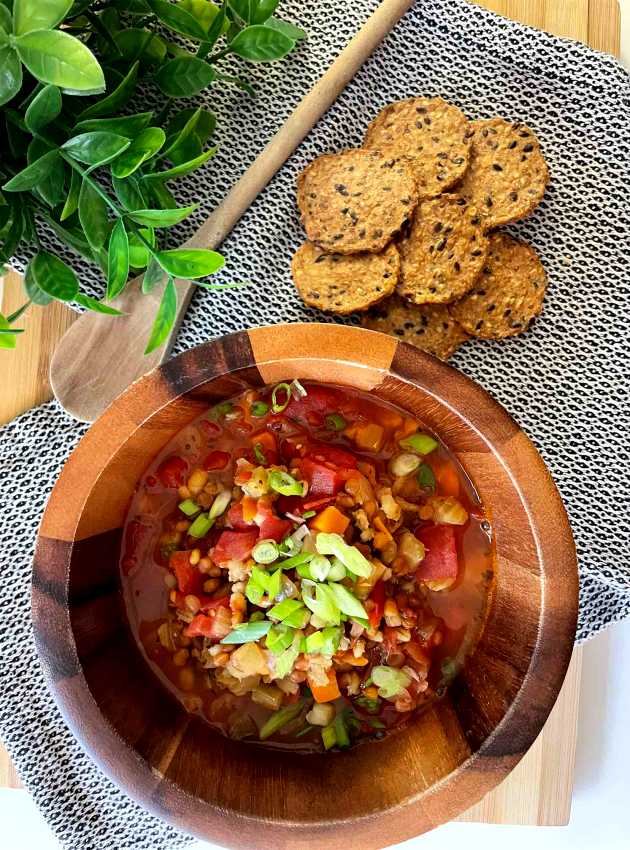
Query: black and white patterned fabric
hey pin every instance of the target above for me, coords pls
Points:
(566, 381)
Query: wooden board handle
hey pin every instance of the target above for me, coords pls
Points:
(114, 347)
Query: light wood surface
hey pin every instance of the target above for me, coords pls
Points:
(85, 395)
(539, 790)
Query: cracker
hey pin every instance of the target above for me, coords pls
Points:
(342, 283)
(507, 175)
(429, 327)
(508, 294)
(355, 200)
(444, 252)
(432, 136)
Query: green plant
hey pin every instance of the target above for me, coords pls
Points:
(97, 178)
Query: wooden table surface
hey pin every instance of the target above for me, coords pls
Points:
(538, 791)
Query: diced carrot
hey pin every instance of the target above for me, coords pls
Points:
(369, 437)
(371, 692)
(327, 692)
(249, 508)
(447, 480)
(348, 658)
(331, 520)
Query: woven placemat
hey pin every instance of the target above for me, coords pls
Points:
(565, 381)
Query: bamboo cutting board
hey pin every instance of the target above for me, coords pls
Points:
(538, 791)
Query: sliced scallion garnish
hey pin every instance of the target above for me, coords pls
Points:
(278, 406)
(422, 444)
(335, 422)
(259, 408)
(247, 632)
(426, 478)
(221, 501)
(329, 737)
(285, 484)
(297, 390)
(201, 526)
(333, 544)
(280, 719)
(189, 507)
(221, 409)
(259, 454)
(265, 552)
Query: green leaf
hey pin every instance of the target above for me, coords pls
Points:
(243, 9)
(152, 276)
(93, 216)
(219, 27)
(184, 76)
(43, 109)
(33, 174)
(129, 193)
(187, 130)
(204, 126)
(60, 59)
(96, 306)
(162, 218)
(190, 263)
(261, 44)
(264, 9)
(6, 22)
(291, 31)
(72, 201)
(51, 188)
(238, 82)
(7, 333)
(143, 147)
(117, 260)
(32, 289)
(177, 19)
(165, 317)
(128, 125)
(54, 277)
(180, 170)
(132, 7)
(10, 74)
(29, 15)
(96, 148)
(161, 196)
(139, 255)
(140, 44)
(204, 12)
(115, 100)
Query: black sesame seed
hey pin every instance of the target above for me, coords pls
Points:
(528, 148)
(512, 145)
(441, 245)
(488, 201)
(497, 167)
(507, 313)
(377, 233)
(437, 226)
(427, 120)
(479, 325)
(457, 160)
(321, 258)
(514, 196)
(475, 220)
(457, 266)
(341, 189)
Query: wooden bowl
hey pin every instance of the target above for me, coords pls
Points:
(241, 795)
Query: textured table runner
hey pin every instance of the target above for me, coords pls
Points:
(565, 381)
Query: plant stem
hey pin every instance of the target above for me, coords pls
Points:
(219, 55)
(99, 191)
(15, 316)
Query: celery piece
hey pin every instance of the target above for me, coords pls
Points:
(201, 526)
(189, 507)
(279, 719)
(341, 732)
(329, 737)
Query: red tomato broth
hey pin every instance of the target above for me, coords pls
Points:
(154, 530)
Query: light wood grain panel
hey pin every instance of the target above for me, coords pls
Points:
(538, 791)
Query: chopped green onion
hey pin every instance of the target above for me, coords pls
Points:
(297, 561)
(372, 706)
(189, 507)
(285, 608)
(276, 405)
(350, 557)
(309, 514)
(257, 615)
(335, 422)
(280, 719)
(298, 619)
(297, 390)
(285, 484)
(286, 660)
(279, 638)
(319, 567)
(221, 501)
(346, 601)
(274, 584)
(329, 737)
(422, 444)
(337, 571)
(308, 728)
(257, 585)
(375, 723)
(247, 632)
(259, 408)
(426, 478)
(221, 409)
(201, 526)
(341, 732)
(389, 680)
(259, 454)
(404, 464)
(324, 642)
(265, 551)
(304, 571)
(322, 603)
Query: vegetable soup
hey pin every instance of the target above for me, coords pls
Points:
(306, 566)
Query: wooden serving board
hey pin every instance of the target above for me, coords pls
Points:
(538, 791)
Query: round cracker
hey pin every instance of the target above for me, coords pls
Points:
(428, 133)
(341, 283)
(507, 175)
(508, 294)
(444, 253)
(355, 200)
(429, 327)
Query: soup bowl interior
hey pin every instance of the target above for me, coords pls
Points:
(242, 795)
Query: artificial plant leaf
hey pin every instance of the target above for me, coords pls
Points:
(190, 263)
(96, 306)
(10, 74)
(261, 44)
(117, 260)
(178, 19)
(72, 200)
(129, 193)
(53, 276)
(161, 196)
(139, 255)
(7, 333)
(264, 9)
(96, 148)
(153, 275)
(142, 45)
(33, 290)
(291, 31)
(127, 125)
(29, 15)
(93, 216)
(143, 147)
(6, 22)
(116, 99)
(43, 109)
(33, 174)
(184, 76)
(164, 318)
(180, 170)
(60, 59)
(162, 218)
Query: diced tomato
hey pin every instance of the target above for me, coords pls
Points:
(332, 454)
(215, 625)
(440, 560)
(289, 448)
(274, 528)
(171, 471)
(322, 480)
(216, 460)
(235, 518)
(290, 505)
(378, 598)
(318, 400)
(189, 579)
(234, 545)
